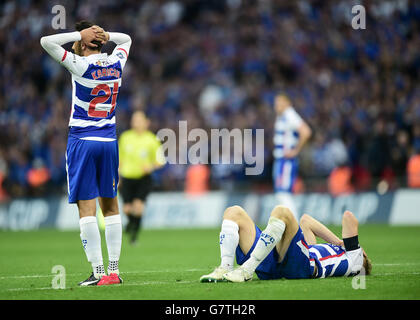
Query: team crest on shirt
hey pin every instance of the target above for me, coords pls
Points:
(102, 63)
(113, 183)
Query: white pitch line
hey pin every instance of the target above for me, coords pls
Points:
(28, 289)
(169, 270)
(145, 283)
(78, 274)
(395, 274)
(397, 264)
(179, 282)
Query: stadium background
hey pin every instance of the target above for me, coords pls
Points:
(218, 64)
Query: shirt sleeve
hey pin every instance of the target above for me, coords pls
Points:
(123, 42)
(294, 119)
(53, 46)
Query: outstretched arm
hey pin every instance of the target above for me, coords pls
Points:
(53, 45)
(312, 228)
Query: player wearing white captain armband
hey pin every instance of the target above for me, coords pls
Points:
(92, 148)
(286, 250)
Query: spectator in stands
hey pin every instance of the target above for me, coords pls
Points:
(219, 63)
(197, 179)
(38, 177)
(399, 156)
(340, 180)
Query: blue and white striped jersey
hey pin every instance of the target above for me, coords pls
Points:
(96, 81)
(95, 93)
(335, 261)
(286, 133)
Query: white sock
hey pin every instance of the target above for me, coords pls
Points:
(286, 199)
(113, 237)
(271, 235)
(91, 241)
(229, 240)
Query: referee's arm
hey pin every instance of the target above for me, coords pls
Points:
(121, 155)
(159, 158)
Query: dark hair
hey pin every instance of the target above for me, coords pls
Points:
(84, 24)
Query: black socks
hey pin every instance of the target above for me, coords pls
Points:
(133, 227)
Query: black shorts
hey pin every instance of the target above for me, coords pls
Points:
(135, 188)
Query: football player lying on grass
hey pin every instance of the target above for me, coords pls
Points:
(285, 249)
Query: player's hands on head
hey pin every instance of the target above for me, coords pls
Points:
(94, 33)
(101, 35)
(88, 35)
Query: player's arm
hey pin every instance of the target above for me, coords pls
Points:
(121, 153)
(305, 133)
(123, 42)
(53, 46)
(312, 228)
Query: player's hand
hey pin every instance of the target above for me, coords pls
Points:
(88, 35)
(93, 33)
(101, 35)
(292, 153)
(148, 169)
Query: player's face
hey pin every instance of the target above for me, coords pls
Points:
(281, 103)
(139, 121)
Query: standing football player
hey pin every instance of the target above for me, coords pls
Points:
(290, 135)
(92, 148)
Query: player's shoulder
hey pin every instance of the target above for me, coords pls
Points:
(292, 115)
(290, 112)
(114, 58)
(75, 57)
(152, 136)
(74, 63)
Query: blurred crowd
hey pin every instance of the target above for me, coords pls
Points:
(218, 64)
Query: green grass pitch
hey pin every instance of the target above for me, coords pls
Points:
(167, 265)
